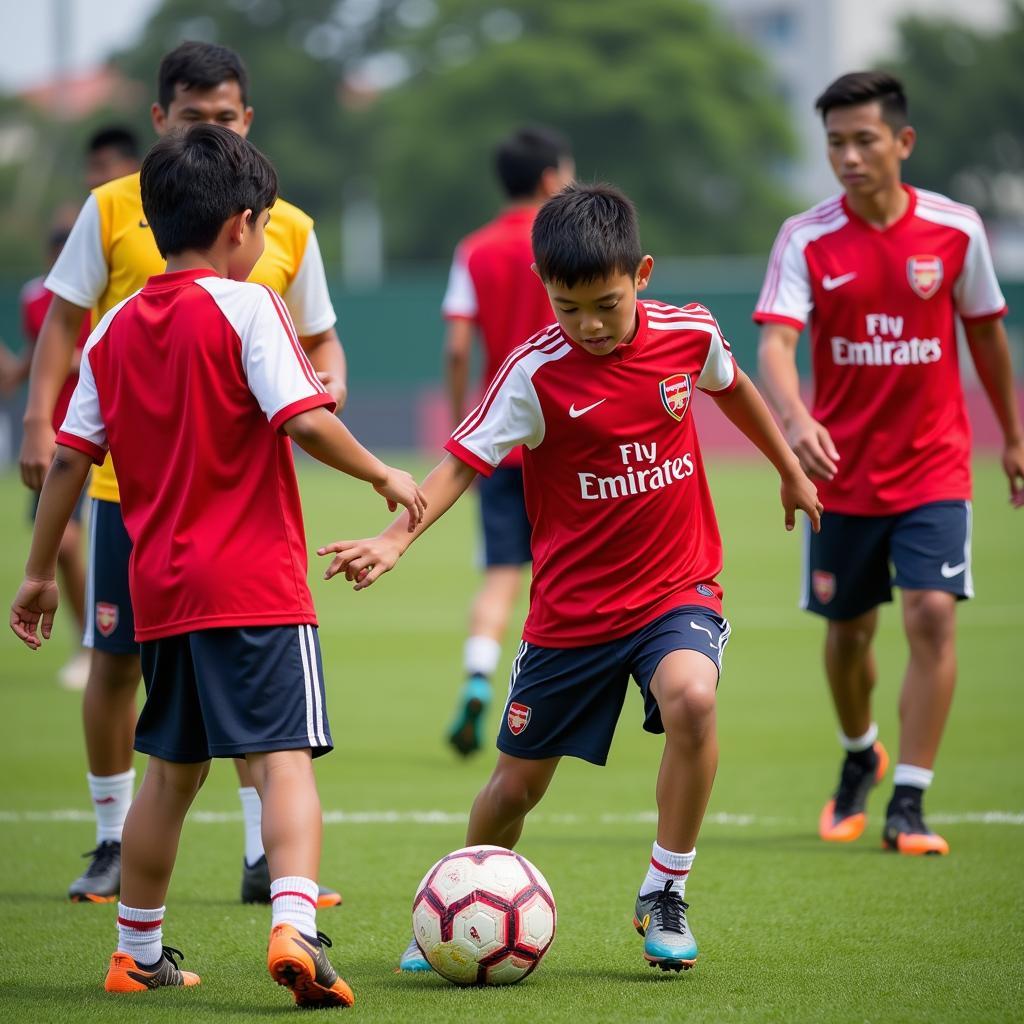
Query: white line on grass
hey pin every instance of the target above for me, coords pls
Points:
(459, 817)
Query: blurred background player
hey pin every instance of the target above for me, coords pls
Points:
(882, 273)
(493, 292)
(109, 255)
(111, 152)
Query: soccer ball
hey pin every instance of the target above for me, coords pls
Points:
(484, 916)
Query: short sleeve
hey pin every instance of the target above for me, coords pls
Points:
(83, 428)
(460, 300)
(308, 298)
(718, 374)
(786, 293)
(977, 293)
(81, 272)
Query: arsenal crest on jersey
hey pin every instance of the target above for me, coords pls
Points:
(824, 585)
(107, 616)
(925, 275)
(518, 717)
(675, 394)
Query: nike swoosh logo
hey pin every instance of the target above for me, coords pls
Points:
(577, 413)
(704, 629)
(830, 284)
(949, 571)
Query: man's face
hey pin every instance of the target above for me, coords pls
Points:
(864, 151)
(220, 105)
(250, 248)
(600, 315)
(103, 165)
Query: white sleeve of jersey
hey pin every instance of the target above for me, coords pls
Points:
(977, 292)
(460, 295)
(276, 369)
(509, 415)
(786, 291)
(80, 274)
(83, 417)
(308, 298)
(719, 370)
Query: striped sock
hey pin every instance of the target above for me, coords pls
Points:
(293, 901)
(140, 934)
(111, 798)
(667, 866)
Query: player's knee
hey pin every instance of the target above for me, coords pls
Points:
(930, 617)
(687, 709)
(511, 795)
(851, 638)
(114, 674)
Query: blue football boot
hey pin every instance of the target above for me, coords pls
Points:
(660, 917)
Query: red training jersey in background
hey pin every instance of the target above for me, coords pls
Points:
(624, 528)
(187, 383)
(492, 285)
(35, 301)
(882, 305)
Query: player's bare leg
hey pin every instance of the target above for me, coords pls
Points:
(488, 620)
(515, 787)
(852, 674)
(929, 620)
(292, 831)
(109, 711)
(152, 831)
(684, 686)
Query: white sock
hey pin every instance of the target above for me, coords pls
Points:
(252, 814)
(667, 866)
(140, 933)
(911, 775)
(855, 744)
(111, 798)
(480, 656)
(293, 901)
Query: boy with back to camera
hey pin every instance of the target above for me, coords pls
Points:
(195, 385)
(626, 547)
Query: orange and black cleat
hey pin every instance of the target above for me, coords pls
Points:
(300, 963)
(905, 832)
(844, 817)
(126, 975)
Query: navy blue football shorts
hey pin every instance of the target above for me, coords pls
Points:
(233, 691)
(109, 620)
(506, 528)
(567, 700)
(852, 565)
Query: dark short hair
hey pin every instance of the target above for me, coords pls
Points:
(584, 233)
(193, 181)
(861, 87)
(522, 158)
(116, 137)
(200, 66)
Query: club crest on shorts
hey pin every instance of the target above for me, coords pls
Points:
(824, 585)
(518, 717)
(925, 275)
(675, 394)
(107, 617)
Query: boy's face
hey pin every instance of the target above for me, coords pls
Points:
(864, 151)
(220, 105)
(106, 164)
(247, 233)
(600, 315)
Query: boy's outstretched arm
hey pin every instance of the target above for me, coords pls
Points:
(745, 407)
(322, 435)
(366, 560)
(36, 600)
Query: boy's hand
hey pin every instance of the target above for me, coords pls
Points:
(363, 561)
(399, 488)
(1013, 467)
(814, 447)
(799, 492)
(36, 600)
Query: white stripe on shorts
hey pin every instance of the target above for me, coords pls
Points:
(318, 705)
(310, 734)
(968, 575)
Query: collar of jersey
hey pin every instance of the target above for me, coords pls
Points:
(161, 282)
(624, 352)
(908, 214)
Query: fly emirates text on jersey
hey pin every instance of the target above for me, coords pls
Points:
(886, 347)
(643, 473)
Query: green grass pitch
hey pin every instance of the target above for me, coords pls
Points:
(789, 929)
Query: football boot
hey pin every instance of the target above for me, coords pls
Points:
(299, 962)
(660, 917)
(125, 974)
(843, 818)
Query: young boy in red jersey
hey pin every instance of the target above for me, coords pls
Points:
(195, 385)
(625, 543)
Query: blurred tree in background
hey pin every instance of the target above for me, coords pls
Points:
(966, 94)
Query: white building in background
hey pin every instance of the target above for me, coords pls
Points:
(811, 42)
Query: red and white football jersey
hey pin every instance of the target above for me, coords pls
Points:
(623, 524)
(187, 383)
(492, 284)
(882, 306)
